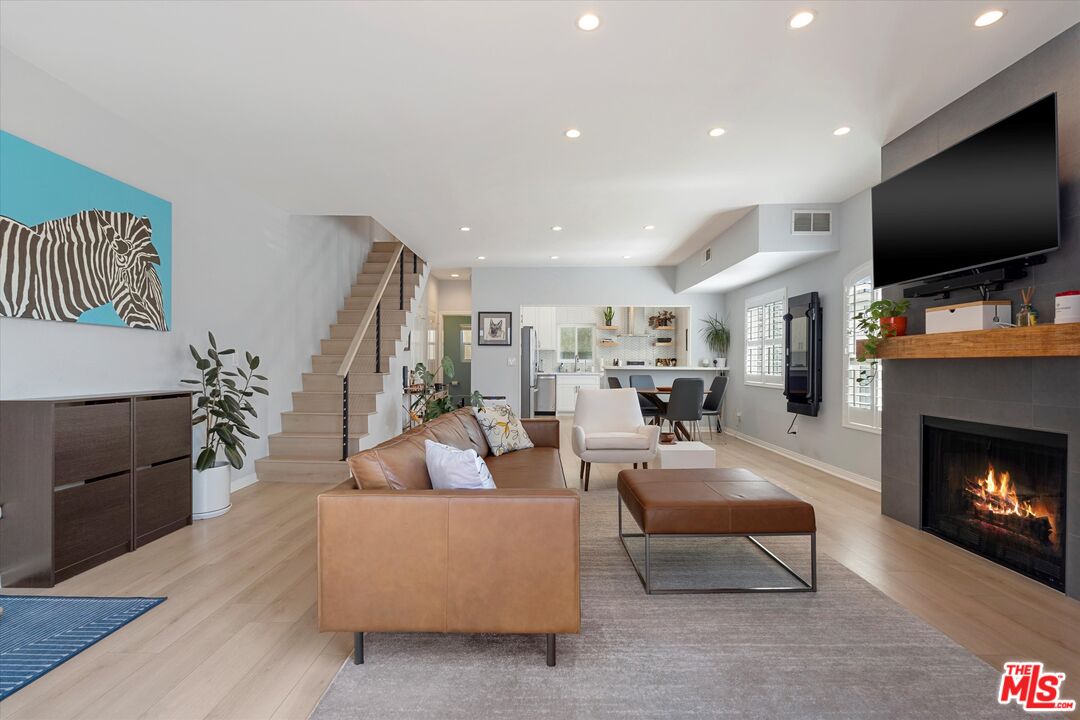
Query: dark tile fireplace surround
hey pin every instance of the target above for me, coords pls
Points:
(1017, 415)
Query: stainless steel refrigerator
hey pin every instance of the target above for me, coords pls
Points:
(530, 361)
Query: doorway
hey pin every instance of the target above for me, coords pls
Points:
(457, 344)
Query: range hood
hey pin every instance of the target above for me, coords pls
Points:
(637, 323)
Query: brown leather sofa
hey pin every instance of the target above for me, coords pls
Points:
(398, 556)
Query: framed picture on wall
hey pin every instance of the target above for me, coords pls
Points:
(495, 328)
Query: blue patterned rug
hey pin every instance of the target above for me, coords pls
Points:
(39, 632)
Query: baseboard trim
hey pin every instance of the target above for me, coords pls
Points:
(860, 480)
(242, 482)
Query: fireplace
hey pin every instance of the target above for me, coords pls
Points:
(999, 492)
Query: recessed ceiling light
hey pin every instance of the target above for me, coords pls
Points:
(801, 19)
(841, 131)
(557, 228)
(627, 257)
(454, 275)
(481, 257)
(465, 228)
(717, 132)
(572, 133)
(989, 18)
(650, 227)
(588, 21)
(554, 257)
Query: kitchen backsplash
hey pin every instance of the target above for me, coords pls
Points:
(637, 347)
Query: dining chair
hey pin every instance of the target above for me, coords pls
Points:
(613, 383)
(714, 401)
(686, 401)
(648, 408)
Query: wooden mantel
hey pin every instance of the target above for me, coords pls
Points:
(1036, 341)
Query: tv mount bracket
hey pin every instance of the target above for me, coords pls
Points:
(985, 280)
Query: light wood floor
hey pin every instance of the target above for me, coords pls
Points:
(237, 637)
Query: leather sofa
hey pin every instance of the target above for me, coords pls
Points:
(397, 556)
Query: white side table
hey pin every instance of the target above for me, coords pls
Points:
(684, 454)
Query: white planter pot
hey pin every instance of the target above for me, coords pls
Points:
(721, 363)
(210, 491)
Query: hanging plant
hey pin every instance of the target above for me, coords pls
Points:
(881, 319)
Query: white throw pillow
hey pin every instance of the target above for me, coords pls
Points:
(453, 469)
(503, 430)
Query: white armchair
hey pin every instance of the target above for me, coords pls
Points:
(609, 428)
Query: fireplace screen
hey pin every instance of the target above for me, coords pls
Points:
(999, 492)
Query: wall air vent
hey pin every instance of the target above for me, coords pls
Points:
(708, 255)
(811, 222)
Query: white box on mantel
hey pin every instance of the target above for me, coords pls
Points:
(978, 315)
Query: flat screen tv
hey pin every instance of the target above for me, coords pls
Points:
(990, 198)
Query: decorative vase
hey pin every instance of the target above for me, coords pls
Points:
(897, 326)
(1027, 316)
(721, 363)
(210, 490)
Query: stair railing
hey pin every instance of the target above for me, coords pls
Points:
(373, 312)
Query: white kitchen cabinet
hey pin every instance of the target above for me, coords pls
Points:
(543, 319)
(566, 390)
(528, 317)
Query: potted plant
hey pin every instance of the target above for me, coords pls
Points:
(609, 316)
(223, 404)
(717, 336)
(881, 319)
(432, 400)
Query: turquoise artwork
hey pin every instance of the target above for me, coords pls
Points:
(79, 246)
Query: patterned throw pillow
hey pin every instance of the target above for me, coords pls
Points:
(503, 430)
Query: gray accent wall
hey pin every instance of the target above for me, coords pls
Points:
(1038, 393)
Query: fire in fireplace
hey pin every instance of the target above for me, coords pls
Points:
(999, 492)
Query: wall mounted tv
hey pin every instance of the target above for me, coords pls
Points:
(988, 199)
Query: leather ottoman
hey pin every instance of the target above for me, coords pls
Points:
(713, 503)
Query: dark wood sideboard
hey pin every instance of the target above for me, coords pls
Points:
(85, 479)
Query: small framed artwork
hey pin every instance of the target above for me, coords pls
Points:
(494, 328)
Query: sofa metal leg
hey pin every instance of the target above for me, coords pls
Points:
(588, 470)
(635, 466)
(358, 648)
(551, 649)
(644, 466)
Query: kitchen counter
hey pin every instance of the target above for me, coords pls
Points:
(595, 373)
(683, 368)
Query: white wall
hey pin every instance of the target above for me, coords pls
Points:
(455, 296)
(261, 280)
(498, 289)
(763, 410)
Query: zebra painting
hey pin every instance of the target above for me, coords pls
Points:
(59, 269)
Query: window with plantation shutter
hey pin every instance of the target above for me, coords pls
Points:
(862, 400)
(764, 352)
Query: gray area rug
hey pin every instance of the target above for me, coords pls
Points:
(846, 651)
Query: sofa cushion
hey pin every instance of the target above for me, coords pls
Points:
(616, 441)
(539, 467)
(452, 469)
(502, 429)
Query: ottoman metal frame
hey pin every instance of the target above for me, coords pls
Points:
(646, 578)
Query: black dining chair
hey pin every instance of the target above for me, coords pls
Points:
(714, 401)
(649, 409)
(613, 383)
(685, 403)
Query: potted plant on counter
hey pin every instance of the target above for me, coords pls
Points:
(881, 319)
(223, 404)
(717, 336)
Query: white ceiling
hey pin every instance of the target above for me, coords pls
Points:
(433, 115)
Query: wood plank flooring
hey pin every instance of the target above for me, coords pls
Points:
(237, 636)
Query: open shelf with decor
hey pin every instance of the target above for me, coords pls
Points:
(1034, 341)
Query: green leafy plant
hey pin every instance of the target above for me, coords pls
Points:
(609, 315)
(433, 400)
(869, 323)
(224, 404)
(717, 335)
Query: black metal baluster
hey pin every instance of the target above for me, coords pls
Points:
(345, 417)
(401, 286)
(414, 263)
(378, 337)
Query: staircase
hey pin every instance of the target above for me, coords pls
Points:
(309, 446)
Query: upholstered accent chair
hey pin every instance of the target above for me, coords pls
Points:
(609, 428)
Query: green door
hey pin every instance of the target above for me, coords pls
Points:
(457, 342)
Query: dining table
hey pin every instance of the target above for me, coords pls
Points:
(653, 395)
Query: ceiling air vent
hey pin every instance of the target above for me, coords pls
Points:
(811, 222)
